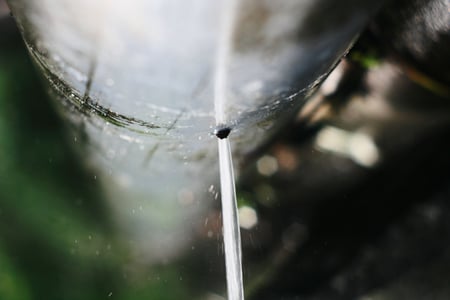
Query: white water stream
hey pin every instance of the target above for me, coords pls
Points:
(230, 217)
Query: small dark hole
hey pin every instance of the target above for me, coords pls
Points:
(222, 132)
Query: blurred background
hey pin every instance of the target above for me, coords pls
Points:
(349, 201)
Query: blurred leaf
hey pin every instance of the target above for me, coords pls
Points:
(12, 284)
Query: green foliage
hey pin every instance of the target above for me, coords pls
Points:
(367, 60)
(12, 284)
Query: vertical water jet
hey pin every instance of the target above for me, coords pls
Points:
(230, 219)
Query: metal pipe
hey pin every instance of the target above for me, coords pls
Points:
(136, 82)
